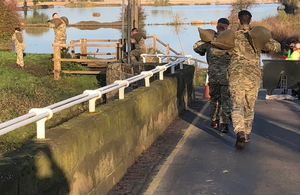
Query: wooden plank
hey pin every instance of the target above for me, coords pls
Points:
(82, 60)
(86, 45)
(102, 40)
(97, 53)
(158, 40)
(83, 72)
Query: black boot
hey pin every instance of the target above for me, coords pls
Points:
(240, 140)
(214, 124)
(224, 128)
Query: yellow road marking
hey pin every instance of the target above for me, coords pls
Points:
(170, 159)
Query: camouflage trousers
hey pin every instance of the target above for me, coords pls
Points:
(243, 93)
(220, 102)
(20, 60)
(135, 56)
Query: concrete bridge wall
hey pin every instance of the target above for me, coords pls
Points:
(90, 153)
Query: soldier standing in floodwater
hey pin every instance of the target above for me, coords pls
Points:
(59, 26)
(138, 39)
(18, 39)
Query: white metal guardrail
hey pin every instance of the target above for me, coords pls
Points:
(41, 115)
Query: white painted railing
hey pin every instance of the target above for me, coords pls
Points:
(41, 115)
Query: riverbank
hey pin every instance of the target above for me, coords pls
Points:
(146, 2)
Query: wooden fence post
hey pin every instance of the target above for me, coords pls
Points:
(168, 52)
(83, 49)
(56, 60)
(120, 49)
(72, 49)
(117, 51)
(154, 42)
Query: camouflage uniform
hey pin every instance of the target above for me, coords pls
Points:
(140, 47)
(244, 79)
(18, 39)
(218, 62)
(59, 31)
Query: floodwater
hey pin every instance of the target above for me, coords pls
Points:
(40, 40)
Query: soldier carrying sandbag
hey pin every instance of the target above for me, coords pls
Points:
(244, 46)
(59, 25)
(18, 40)
(138, 39)
(218, 61)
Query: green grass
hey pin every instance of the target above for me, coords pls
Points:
(34, 87)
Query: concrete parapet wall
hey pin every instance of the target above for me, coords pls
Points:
(90, 153)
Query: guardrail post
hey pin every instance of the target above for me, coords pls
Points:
(161, 72)
(181, 65)
(83, 48)
(144, 57)
(40, 134)
(154, 42)
(120, 49)
(122, 89)
(147, 78)
(56, 61)
(173, 69)
(92, 102)
(72, 48)
(160, 56)
(189, 60)
(168, 52)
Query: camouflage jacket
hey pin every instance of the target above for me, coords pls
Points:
(59, 31)
(218, 61)
(244, 60)
(18, 39)
(139, 43)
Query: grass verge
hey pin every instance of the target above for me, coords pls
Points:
(34, 87)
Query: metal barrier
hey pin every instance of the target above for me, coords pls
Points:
(41, 115)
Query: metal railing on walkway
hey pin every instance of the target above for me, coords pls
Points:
(41, 115)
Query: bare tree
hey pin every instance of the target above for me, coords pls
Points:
(239, 5)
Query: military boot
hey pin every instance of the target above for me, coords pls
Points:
(240, 140)
(224, 128)
(214, 124)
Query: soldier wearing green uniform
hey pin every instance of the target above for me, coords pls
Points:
(218, 62)
(59, 25)
(138, 39)
(18, 39)
(245, 71)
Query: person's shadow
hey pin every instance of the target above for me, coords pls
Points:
(31, 169)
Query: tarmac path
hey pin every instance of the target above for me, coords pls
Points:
(192, 158)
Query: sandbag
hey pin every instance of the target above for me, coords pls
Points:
(65, 19)
(260, 36)
(206, 35)
(19, 37)
(56, 21)
(225, 40)
(138, 36)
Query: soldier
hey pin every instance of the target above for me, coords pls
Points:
(218, 62)
(59, 24)
(18, 39)
(244, 71)
(138, 39)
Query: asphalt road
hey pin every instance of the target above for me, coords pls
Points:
(201, 160)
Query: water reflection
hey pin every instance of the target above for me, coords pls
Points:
(186, 34)
(37, 18)
(36, 31)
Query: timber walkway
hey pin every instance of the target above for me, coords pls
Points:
(192, 158)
